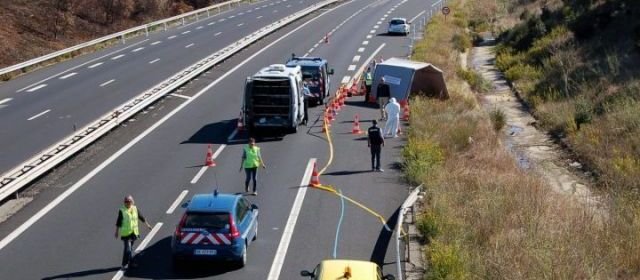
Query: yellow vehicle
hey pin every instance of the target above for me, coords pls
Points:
(347, 270)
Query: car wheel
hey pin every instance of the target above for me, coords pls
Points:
(243, 258)
(255, 234)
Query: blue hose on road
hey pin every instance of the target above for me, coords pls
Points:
(335, 245)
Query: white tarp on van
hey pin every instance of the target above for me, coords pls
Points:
(407, 76)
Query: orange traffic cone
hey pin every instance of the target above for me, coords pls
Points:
(336, 106)
(209, 160)
(342, 98)
(330, 114)
(356, 125)
(363, 89)
(315, 177)
(240, 125)
(354, 89)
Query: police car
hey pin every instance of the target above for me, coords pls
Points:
(215, 226)
(346, 269)
(316, 72)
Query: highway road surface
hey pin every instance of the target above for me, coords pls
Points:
(67, 231)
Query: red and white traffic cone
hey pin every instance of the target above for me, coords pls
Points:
(356, 125)
(209, 158)
(315, 177)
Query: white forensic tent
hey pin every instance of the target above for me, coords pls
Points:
(407, 76)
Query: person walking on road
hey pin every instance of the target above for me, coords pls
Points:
(383, 93)
(392, 109)
(251, 160)
(127, 228)
(368, 80)
(375, 141)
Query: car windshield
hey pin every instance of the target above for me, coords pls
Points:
(396, 22)
(311, 75)
(209, 221)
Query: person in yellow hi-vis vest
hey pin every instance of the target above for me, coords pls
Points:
(127, 228)
(251, 160)
(368, 80)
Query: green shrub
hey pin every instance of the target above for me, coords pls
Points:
(475, 80)
(584, 112)
(461, 41)
(498, 118)
(421, 158)
(445, 262)
(428, 225)
(521, 71)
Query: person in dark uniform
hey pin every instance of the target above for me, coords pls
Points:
(383, 93)
(375, 141)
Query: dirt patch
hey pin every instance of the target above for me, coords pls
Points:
(534, 150)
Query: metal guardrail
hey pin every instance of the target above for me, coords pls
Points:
(122, 35)
(408, 203)
(15, 179)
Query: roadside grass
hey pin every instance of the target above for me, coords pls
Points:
(485, 218)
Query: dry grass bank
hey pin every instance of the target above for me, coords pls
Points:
(486, 218)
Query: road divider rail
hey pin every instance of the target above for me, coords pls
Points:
(408, 203)
(26, 172)
(122, 35)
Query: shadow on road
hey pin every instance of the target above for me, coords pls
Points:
(361, 104)
(214, 133)
(342, 173)
(83, 273)
(385, 236)
(155, 263)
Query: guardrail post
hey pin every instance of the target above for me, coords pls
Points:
(146, 31)
(208, 13)
(182, 21)
(197, 17)
(165, 26)
(123, 40)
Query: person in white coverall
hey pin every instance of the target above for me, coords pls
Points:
(393, 118)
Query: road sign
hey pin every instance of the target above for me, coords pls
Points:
(445, 10)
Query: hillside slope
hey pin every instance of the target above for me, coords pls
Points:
(32, 28)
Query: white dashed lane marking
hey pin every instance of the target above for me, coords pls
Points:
(175, 204)
(156, 42)
(365, 42)
(214, 35)
(154, 61)
(5, 100)
(259, 17)
(37, 88)
(221, 20)
(171, 37)
(148, 238)
(38, 115)
(95, 65)
(369, 36)
(68, 75)
(106, 83)
(138, 49)
(376, 26)
(211, 23)
(240, 24)
(351, 67)
(360, 49)
(117, 56)
(199, 27)
(186, 32)
(356, 58)
(345, 79)
(372, 31)
(189, 45)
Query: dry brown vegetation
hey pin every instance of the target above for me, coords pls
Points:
(486, 218)
(32, 28)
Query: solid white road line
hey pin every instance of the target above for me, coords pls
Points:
(171, 37)
(218, 151)
(240, 24)
(106, 83)
(95, 65)
(59, 199)
(414, 18)
(175, 204)
(180, 95)
(345, 79)
(37, 88)
(138, 49)
(189, 45)
(186, 32)
(68, 75)
(360, 49)
(38, 115)
(117, 56)
(356, 58)
(365, 42)
(214, 35)
(156, 42)
(83, 64)
(118, 275)
(283, 246)
(5, 100)
(351, 67)
(154, 61)
(146, 240)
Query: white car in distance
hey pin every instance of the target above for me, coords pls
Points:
(398, 26)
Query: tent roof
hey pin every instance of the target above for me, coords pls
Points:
(395, 61)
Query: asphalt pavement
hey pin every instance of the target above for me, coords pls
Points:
(74, 238)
